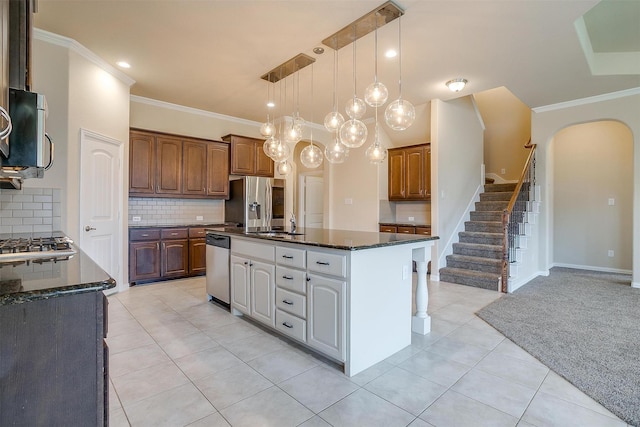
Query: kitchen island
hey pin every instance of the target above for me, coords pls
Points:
(345, 294)
(53, 358)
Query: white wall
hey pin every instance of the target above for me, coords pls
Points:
(456, 169)
(546, 122)
(81, 93)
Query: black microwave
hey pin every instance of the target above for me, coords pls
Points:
(27, 143)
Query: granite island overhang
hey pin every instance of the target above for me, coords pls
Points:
(353, 289)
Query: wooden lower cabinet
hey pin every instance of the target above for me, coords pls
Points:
(54, 362)
(166, 253)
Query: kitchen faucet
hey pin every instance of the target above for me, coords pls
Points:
(292, 220)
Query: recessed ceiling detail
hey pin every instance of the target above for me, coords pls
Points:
(610, 37)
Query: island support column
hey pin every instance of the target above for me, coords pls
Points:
(421, 321)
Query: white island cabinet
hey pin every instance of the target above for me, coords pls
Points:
(353, 305)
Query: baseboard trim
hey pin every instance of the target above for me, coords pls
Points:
(592, 268)
(515, 285)
(635, 285)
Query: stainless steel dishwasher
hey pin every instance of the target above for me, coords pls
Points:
(218, 287)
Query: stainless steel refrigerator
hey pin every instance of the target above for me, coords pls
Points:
(256, 201)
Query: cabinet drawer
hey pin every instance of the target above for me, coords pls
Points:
(333, 264)
(423, 230)
(253, 250)
(291, 257)
(406, 230)
(291, 302)
(291, 325)
(144, 234)
(294, 280)
(196, 233)
(388, 229)
(174, 233)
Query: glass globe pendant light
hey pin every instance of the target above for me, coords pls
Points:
(268, 129)
(400, 114)
(269, 146)
(376, 153)
(294, 130)
(355, 106)
(336, 152)
(376, 93)
(311, 155)
(353, 133)
(333, 120)
(284, 168)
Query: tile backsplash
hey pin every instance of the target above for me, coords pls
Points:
(30, 210)
(157, 211)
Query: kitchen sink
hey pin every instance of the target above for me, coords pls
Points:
(276, 233)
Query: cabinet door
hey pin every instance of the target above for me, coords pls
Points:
(243, 156)
(427, 172)
(175, 258)
(142, 163)
(263, 289)
(218, 169)
(414, 173)
(194, 170)
(264, 163)
(169, 165)
(197, 256)
(325, 315)
(396, 174)
(144, 260)
(240, 289)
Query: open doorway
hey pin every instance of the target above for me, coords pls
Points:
(593, 196)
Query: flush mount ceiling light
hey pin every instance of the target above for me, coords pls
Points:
(456, 85)
(123, 64)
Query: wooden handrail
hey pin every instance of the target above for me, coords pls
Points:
(506, 214)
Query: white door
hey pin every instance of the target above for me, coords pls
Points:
(101, 188)
(312, 189)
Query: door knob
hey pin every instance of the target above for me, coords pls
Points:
(88, 228)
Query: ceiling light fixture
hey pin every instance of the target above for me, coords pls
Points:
(376, 93)
(353, 133)
(399, 114)
(123, 64)
(311, 155)
(334, 119)
(456, 85)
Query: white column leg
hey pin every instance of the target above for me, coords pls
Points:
(421, 322)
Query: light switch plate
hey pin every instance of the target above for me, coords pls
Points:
(136, 219)
(199, 218)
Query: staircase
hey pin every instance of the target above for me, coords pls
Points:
(477, 258)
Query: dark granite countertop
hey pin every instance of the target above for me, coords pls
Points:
(329, 238)
(21, 282)
(199, 225)
(405, 224)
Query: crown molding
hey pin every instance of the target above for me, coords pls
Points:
(191, 110)
(588, 100)
(76, 47)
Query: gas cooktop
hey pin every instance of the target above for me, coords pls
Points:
(20, 248)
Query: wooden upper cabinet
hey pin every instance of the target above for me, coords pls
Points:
(414, 173)
(396, 174)
(248, 157)
(168, 165)
(164, 165)
(410, 173)
(218, 169)
(194, 170)
(142, 169)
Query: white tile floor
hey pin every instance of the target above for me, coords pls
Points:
(178, 360)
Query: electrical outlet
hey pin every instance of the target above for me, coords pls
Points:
(412, 218)
(610, 253)
(348, 201)
(503, 171)
(136, 219)
(405, 272)
(199, 218)
(612, 202)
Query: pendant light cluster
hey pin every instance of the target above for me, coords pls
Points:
(352, 132)
(399, 114)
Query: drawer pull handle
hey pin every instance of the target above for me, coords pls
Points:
(322, 262)
(286, 301)
(145, 235)
(287, 277)
(287, 256)
(174, 234)
(287, 325)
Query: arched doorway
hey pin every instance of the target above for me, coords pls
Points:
(593, 196)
